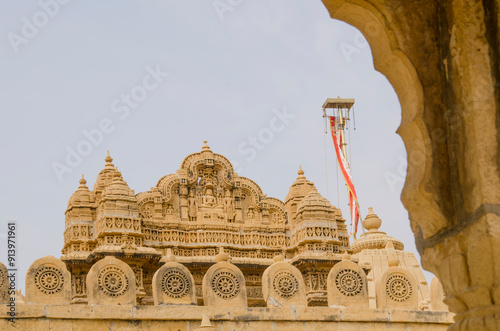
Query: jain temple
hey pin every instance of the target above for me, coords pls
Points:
(206, 249)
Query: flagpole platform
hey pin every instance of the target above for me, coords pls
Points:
(338, 103)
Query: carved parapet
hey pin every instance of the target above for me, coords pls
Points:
(173, 284)
(224, 284)
(111, 282)
(48, 282)
(347, 285)
(283, 285)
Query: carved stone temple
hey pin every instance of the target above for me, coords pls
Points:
(205, 243)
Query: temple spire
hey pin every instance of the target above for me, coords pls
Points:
(109, 161)
(82, 184)
(205, 146)
(301, 173)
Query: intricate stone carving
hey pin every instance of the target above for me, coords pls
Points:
(49, 280)
(175, 283)
(225, 284)
(285, 284)
(113, 281)
(398, 288)
(349, 282)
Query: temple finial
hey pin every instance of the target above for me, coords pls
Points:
(300, 173)
(205, 146)
(372, 222)
(108, 158)
(82, 184)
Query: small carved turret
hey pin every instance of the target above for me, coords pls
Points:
(79, 227)
(299, 189)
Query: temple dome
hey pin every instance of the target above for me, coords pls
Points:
(117, 187)
(373, 238)
(300, 188)
(314, 201)
(82, 195)
(105, 176)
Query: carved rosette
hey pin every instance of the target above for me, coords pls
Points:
(113, 281)
(285, 284)
(398, 288)
(349, 282)
(175, 283)
(225, 284)
(49, 280)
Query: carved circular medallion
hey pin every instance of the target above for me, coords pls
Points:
(225, 284)
(112, 281)
(49, 280)
(285, 284)
(175, 283)
(398, 288)
(349, 282)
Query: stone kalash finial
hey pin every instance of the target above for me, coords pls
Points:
(82, 184)
(300, 173)
(109, 161)
(374, 238)
(372, 222)
(205, 146)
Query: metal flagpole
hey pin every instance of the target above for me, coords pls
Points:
(338, 105)
(342, 147)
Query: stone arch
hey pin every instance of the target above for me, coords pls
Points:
(397, 288)
(283, 285)
(444, 66)
(173, 284)
(389, 59)
(111, 282)
(347, 285)
(48, 281)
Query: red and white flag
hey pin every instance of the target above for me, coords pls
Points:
(346, 172)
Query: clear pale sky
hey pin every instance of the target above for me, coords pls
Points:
(156, 78)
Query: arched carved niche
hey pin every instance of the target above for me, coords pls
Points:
(283, 285)
(111, 282)
(173, 284)
(398, 289)
(347, 285)
(48, 281)
(224, 284)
